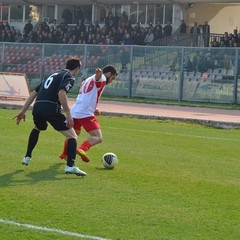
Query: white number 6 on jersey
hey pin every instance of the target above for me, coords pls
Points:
(49, 81)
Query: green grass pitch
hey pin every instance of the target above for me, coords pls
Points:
(174, 181)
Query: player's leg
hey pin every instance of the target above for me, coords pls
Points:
(58, 122)
(91, 125)
(71, 139)
(40, 124)
(77, 127)
(95, 137)
(32, 142)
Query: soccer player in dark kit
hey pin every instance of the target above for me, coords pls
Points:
(51, 99)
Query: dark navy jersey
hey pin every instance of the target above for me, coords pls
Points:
(47, 100)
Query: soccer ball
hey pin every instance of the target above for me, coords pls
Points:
(109, 160)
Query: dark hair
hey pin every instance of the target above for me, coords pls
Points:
(111, 69)
(73, 63)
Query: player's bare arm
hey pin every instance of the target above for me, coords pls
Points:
(64, 102)
(22, 114)
(98, 74)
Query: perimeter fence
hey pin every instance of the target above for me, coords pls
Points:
(159, 72)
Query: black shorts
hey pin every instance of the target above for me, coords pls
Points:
(58, 121)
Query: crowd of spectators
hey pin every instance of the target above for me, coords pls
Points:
(214, 40)
(227, 40)
(115, 30)
(203, 61)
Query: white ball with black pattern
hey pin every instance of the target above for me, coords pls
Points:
(109, 160)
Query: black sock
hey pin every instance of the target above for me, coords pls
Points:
(32, 141)
(71, 151)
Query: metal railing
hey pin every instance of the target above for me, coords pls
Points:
(188, 40)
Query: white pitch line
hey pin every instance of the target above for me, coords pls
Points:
(51, 230)
(176, 134)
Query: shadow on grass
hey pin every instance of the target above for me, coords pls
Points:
(33, 177)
